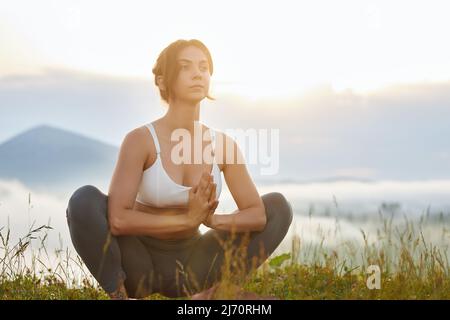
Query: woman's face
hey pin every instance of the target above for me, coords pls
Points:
(192, 83)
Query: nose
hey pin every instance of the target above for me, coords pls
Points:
(197, 73)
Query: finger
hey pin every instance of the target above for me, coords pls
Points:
(203, 181)
(214, 204)
(205, 176)
(207, 191)
(211, 192)
(212, 195)
(214, 207)
(201, 186)
(207, 180)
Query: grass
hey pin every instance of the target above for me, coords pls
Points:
(411, 266)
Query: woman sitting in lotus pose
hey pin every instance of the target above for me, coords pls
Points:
(143, 237)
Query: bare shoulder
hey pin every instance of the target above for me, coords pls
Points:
(140, 138)
(127, 172)
(227, 150)
(236, 174)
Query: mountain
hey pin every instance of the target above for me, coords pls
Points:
(54, 159)
(395, 133)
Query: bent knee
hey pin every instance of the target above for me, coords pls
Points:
(277, 207)
(83, 200)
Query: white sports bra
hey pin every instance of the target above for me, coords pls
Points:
(157, 188)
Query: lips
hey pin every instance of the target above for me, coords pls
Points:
(197, 86)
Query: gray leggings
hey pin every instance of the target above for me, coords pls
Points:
(173, 268)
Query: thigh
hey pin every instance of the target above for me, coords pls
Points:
(216, 253)
(169, 259)
(137, 264)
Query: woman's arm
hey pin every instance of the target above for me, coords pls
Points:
(133, 222)
(250, 215)
(123, 220)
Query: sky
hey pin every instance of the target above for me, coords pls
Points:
(356, 84)
(260, 48)
(398, 133)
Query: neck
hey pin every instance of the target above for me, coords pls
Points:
(182, 114)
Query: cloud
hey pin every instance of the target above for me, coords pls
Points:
(357, 172)
(20, 207)
(365, 198)
(78, 101)
(396, 131)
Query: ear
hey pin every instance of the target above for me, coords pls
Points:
(160, 81)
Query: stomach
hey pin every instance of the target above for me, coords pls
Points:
(167, 211)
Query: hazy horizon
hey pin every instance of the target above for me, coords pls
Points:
(396, 133)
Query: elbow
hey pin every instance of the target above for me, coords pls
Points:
(115, 225)
(261, 221)
(262, 224)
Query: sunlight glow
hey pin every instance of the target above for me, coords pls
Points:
(264, 49)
